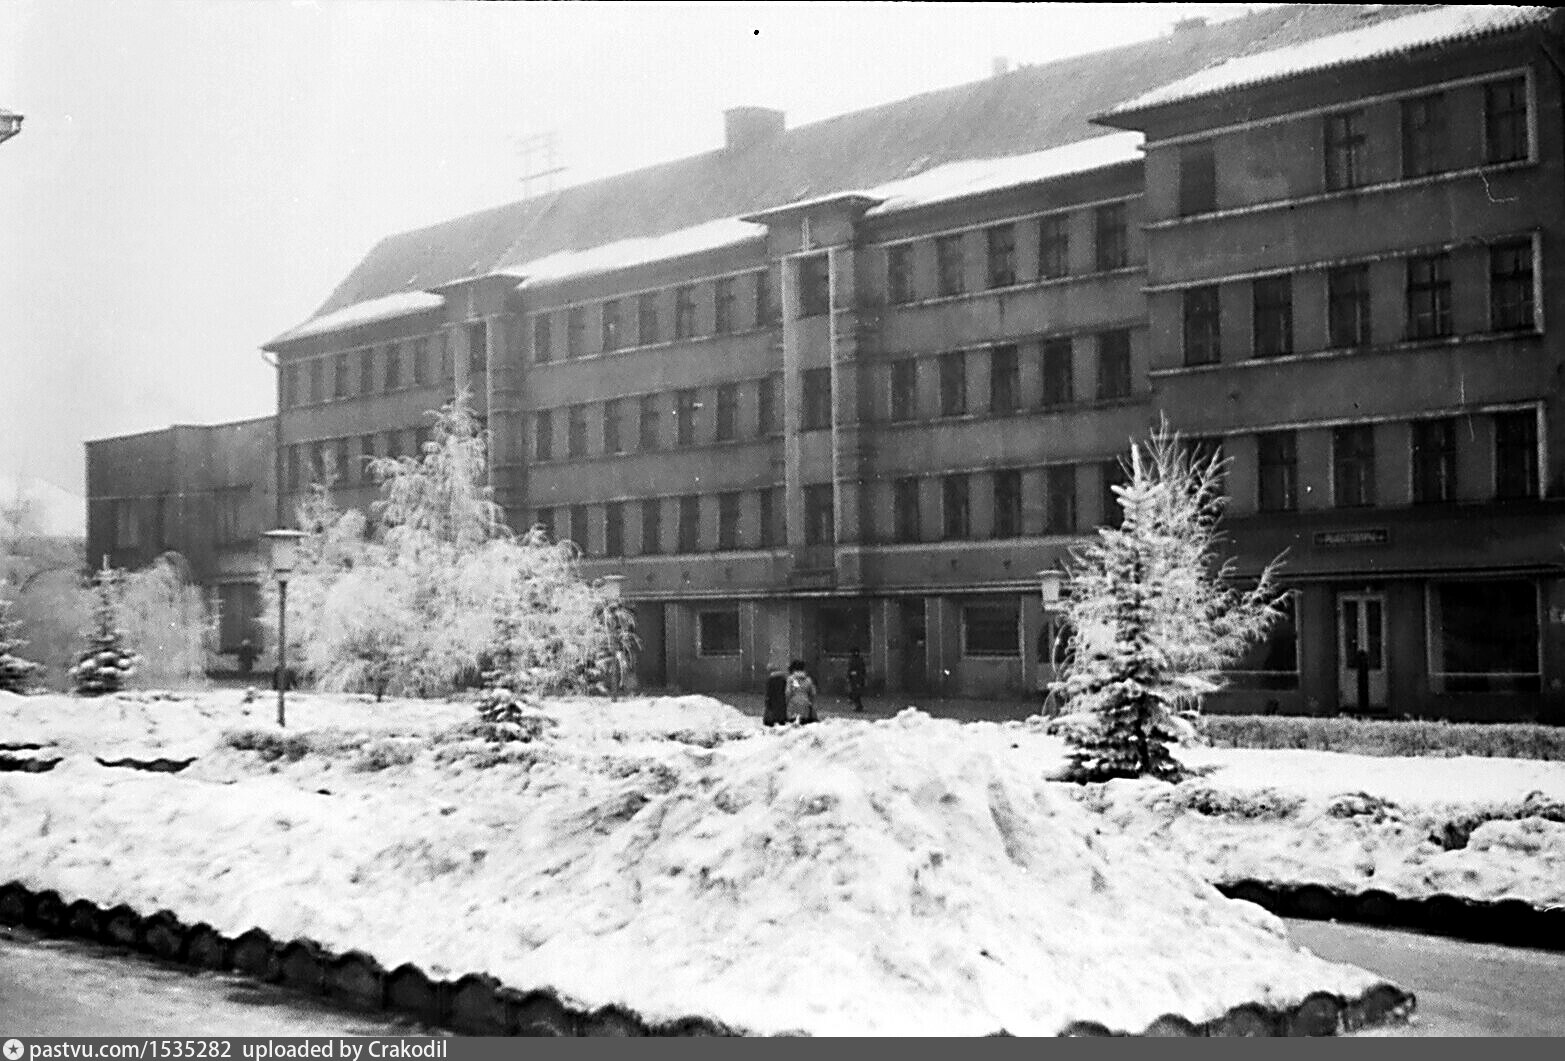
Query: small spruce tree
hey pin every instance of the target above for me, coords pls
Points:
(106, 664)
(1155, 617)
(16, 673)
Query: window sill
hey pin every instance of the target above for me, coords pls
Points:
(1341, 353)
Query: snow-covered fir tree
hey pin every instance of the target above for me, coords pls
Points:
(1155, 616)
(17, 674)
(107, 663)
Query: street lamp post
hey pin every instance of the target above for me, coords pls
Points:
(283, 547)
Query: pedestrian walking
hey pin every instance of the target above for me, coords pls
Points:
(858, 674)
(801, 693)
(776, 711)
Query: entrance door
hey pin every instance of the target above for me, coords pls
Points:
(1361, 641)
(915, 670)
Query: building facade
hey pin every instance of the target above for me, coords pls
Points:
(856, 384)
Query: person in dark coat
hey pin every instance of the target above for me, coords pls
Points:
(801, 693)
(776, 712)
(858, 674)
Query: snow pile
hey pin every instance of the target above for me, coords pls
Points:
(402, 304)
(629, 253)
(910, 876)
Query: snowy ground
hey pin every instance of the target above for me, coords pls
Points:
(906, 876)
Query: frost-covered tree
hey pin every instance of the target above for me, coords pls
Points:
(17, 674)
(1155, 616)
(167, 623)
(107, 664)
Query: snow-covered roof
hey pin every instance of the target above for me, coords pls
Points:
(628, 253)
(956, 180)
(375, 309)
(1392, 37)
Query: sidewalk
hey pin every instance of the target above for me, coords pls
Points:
(883, 705)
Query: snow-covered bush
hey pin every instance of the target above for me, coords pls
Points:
(1153, 617)
(167, 624)
(17, 674)
(107, 664)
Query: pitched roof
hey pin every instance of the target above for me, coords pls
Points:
(1397, 36)
(1028, 110)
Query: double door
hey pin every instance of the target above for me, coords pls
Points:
(1361, 651)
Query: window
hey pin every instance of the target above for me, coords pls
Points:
(1510, 286)
(899, 273)
(814, 285)
(1054, 246)
(1111, 475)
(424, 435)
(230, 510)
(1353, 465)
(1112, 244)
(340, 376)
(1197, 179)
(576, 431)
(1057, 385)
(1484, 636)
(543, 435)
(1203, 326)
(614, 529)
(728, 520)
(817, 399)
(238, 605)
(723, 322)
(770, 507)
(290, 384)
(578, 528)
(1344, 135)
(651, 526)
(904, 389)
(1434, 461)
(689, 529)
(1272, 300)
(421, 361)
(576, 331)
(718, 633)
(1059, 488)
(1425, 144)
(950, 265)
(766, 406)
(648, 429)
(819, 515)
(614, 426)
(1113, 365)
(447, 368)
(611, 325)
(1002, 255)
(956, 512)
(1007, 503)
(1516, 454)
(1004, 380)
(842, 629)
(478, 347)
(545, 519)
(1429, 296)
(727, 427)
(1273, 662)
(367, 370)
(953, 383)
(685, 406)
(647, 323)
(1347, 306)
(317, 380)
(543, 338)
(906, 522)
(992, 630)
(393, 376)
(1506, 134)
(685, 311)
(393, 444)
(1202, 450)
(1277, 456)
(765, 304)
(366, 458)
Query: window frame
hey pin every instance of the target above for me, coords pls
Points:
(1054, 242)
(687, 532)
(1426, 135)
(953, 383)
(1343, 457)
(576, 432)
(1007, 510)
(686, 401)
(950, 265)
(1110, 361)
(1005, 379)
(1059, 485)
(711, 646)
(724, 302)
(903, 404)
(1000, 243)
(1271, 316)
(1511, 682)
(900, 281)
(1202, 325)
(1197, 183)
(956, 507)
(1435, 464)
(685, 312)
(614, 528)
(820, 515)
(726, 427)
(1288, 466)
(1053, 353)
(575, 332)
(649, 323)
(1111, 236)
(652, 526)
(1526, 447)
(1436, 289)
(543, 436)
(1523, 281)
(1345, 144)
(1491, 114)
(649, 424)
(906, 513)
(728, 519)
(1012, 619)
(610, 325)
(1349, 304)
(815, 408)
(814, 271)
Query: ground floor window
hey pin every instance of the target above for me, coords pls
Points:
(717, 632)
(238, 605)
(1483, 636)
(991, 630)
(843, 628)
(1272, 663)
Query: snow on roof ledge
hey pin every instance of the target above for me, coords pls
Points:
(629, 253)
(1397, 35)
(376, 309)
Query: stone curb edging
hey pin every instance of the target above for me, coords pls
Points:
(478, 1004)
(1513, 922)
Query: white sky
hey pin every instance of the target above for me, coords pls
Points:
(193, 178)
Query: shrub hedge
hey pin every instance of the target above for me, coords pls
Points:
(1387, 738)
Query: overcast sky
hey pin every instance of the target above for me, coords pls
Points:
(193, 178)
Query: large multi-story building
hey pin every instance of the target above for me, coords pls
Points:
(859, 382)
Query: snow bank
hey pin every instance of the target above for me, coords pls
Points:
(911, 876)
(629, 253)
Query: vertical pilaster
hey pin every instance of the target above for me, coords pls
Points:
(792, 404)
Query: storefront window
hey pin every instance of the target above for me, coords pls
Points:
(1484, 636)
(991, 630)
(718, 633)
(1272, 663)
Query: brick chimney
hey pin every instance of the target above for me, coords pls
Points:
(744, 127)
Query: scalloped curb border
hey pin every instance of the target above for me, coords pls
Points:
(1511, 922)
(479, 1004)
